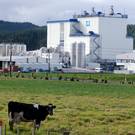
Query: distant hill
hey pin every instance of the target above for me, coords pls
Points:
(15, 26)
(32, 35)
(131, 32)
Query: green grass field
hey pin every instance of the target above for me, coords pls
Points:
(84, 108)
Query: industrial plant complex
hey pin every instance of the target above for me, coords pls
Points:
(91, 41)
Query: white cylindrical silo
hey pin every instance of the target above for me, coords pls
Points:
(73, 54)
(80, 55)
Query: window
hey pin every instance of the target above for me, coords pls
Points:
(87, 23)
(62, 32)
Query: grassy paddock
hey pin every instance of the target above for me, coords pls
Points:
(82, 107)
(108, 76)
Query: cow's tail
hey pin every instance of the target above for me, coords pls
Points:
(11, 123)
(9, 106)
(10, 110)
(10, 116)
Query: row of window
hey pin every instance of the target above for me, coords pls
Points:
(125, 61)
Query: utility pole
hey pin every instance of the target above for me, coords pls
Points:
(10, 64)
(49, 66)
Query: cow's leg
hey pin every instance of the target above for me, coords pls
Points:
(37, 124)
(11, 122)
(18, 117)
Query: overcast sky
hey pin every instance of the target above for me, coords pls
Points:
(39, 11)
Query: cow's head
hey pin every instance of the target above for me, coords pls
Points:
(50, 108)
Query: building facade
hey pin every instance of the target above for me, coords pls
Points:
(103, 35)
(39, 60)
(17, 49)
(126, 62)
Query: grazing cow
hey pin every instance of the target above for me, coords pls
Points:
(35, 113)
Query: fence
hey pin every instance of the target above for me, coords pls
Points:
(2, 128)
(3, 131)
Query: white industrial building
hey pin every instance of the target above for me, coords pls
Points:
(91, 37)
(30, 63)
(39, 60)
(5, 49)
(126, 62)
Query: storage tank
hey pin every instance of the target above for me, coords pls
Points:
(80, 55)
(73, 54)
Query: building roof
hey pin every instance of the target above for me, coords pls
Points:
(7, 58)
(118, 15)
(104, 16)
(126, 56)
(60, 21)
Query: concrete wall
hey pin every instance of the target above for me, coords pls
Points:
(16, 49)
(89, 24)
(53, 35)
(113, 37)
(67, 28)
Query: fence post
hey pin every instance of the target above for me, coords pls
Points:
(66, 133)
(33, 131)
(5, 129)
(18, 131)
(0, 127)
(47, 132)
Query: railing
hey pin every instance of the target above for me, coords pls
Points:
(96, 48)
(33, 131)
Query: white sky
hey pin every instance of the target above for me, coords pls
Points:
(39, 11)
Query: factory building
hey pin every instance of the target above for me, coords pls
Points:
(37, 60)
(5, 49)
(100, 37)
(125, 63)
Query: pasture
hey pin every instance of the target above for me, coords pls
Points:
(83, 107)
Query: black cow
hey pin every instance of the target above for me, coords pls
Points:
(18, 112)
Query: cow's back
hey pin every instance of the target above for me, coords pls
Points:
(29, 111)
(11, 106)
(17, 107)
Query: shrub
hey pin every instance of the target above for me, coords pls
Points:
(102, 80)
(17, 76)
(95, 80)
(60, 77)
(130, 82)
(34, 77)
(46, 78)
(72, 79)
(22, 76)
(106, 81)
(122, 82)
(5, 75)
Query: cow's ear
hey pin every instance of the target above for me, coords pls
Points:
(54, 106)
(50, 105)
